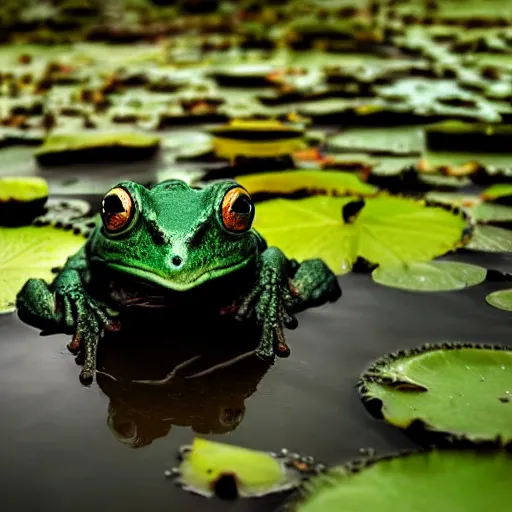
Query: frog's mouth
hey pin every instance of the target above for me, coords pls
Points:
(181, 280)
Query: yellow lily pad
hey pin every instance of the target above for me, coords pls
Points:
(333, 183)
(387, 230)
(31, 251)
(206, 463)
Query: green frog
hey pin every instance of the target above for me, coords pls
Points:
(190, 250)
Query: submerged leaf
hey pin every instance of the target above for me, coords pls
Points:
(423, 480)
(463, 382)
(315, 182)
(501, 299)
(388, 230)
(31, 252)
(436, 276)
(207, 464)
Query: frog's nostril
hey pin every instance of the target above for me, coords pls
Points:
(176, 261)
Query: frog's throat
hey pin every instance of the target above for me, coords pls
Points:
(176, 284)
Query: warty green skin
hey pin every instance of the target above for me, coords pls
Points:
(174, 246)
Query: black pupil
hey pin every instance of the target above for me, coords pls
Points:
(242, 205)
(112, 204)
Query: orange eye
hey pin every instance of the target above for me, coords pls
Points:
(237, 210)
(116, 209)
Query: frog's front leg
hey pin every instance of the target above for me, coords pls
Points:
(283, 288)
(65, 306)
(313, 284)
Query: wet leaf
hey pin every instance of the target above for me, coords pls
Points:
(501, 299)
(463, 386)
(31, 252)
(315, 182)
(207, 463)
(436, 276)
(490, 239)
(439, 479)
(388, 230)
(80, 147)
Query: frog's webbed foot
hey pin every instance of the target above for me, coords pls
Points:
(314, 284)
(67, 309)
(270, 300)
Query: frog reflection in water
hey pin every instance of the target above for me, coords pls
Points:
(212, 403)
(182, 248)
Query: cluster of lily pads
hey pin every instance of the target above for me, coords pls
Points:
(414, 99)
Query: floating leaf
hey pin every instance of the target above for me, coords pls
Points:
(208, 465)
(388, 230)
(469, 480)
(257, 138)
(501, 299)
(497, 191)
(388, 141)
(490, 239)
(489, 213)
(316, 182)
(21, 199)
(435, 276)
(459, 136)
(31, 251)
(87, 147)
(450, 389)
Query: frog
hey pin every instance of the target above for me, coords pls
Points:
(191, 250)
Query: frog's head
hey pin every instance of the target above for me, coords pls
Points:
(176, 236)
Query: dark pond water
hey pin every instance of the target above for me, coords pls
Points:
(59, 453)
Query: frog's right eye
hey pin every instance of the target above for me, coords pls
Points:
(117, 209)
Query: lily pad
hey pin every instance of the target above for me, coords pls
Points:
(436, 479)
(96, 147)
(22, 199)
(497, 191)
(435, 276)
(388, 141)
(501, 299)
(208, 466)
(31, 251)
(490, 239)
(315, 182)
(459, 136)
(387, 230)
(450, 389)
(257, 138)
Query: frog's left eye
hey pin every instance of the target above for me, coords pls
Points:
(117, 209)
(237, 210)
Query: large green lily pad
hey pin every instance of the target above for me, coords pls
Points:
(457, 389)
(470, 480)
(31, 251)
(315, 182)
(434, 276)
(387, 230)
